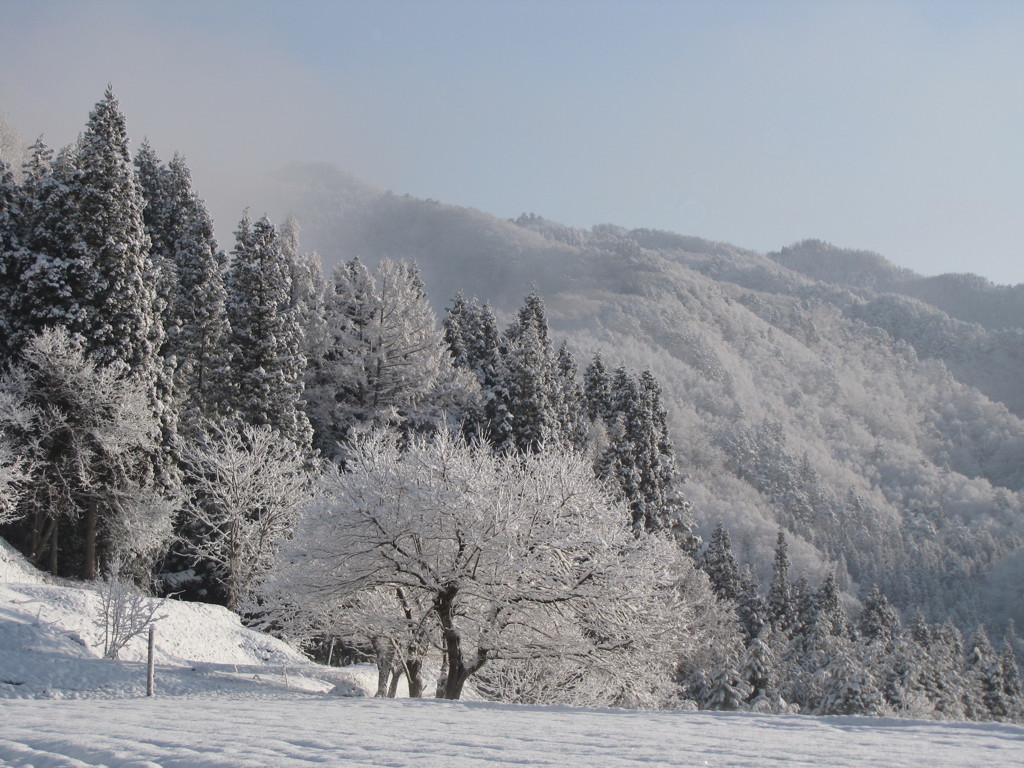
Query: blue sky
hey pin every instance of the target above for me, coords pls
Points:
(892, 126)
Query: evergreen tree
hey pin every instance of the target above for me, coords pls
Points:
(597, 391)
(640, 457)
(122, 326)
(196, 320)
(385, 362)
(530, 396)
(10, 255)
(571, 426)
(760, 670)
(474, 342)
(154, 182)
(779, 594)
(1009, 673)
(879, 622)
(947, 686)
(848, 686)
(829, 608)
(529, 384)
(751, 607)
(719, 563)
(53, 270)
(986, 697)
(725, 687)
(264, 338)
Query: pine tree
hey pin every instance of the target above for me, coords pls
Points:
(529, 380)
(474, 342)
(848, 686)
(529, 394)
(947, 685)
(760, 670)
(751, 607)
(719, 563)
(264, 338)
(986, 699)
(154, 182)
(53, 271)
(86, 269)
(780, 610)
(571, 425)
(121, 325)
(879, 622)
(1009, 673)
(11, 256)
(597, 391)
(725, 687)
(829, 607)
(197, 318)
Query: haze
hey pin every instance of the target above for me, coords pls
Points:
(891, 126)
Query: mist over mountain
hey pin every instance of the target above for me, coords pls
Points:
(872, 413)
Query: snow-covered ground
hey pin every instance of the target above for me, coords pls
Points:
(231, 697)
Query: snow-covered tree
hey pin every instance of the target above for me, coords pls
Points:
(247, 485)
(474, 342)
(719, 563)
(51, 268)
(196, 319)
(16, 419)
(92, 433)
(11, 257)
(519, 557)
(385, 363)
(266, 365)
(780, 609)
(122, 325)
(879, 622)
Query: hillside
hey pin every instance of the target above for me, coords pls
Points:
(880, 431)
(51, 647)
(271, 707)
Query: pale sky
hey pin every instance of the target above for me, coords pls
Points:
(893, 126)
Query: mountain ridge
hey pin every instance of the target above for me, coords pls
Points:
(880, 431)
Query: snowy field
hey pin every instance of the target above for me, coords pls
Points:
(231, 697)
(289, 730)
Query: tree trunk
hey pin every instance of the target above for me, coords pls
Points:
(396, 675)
(91, 522)
(54, 548)
(458, 671)
(384, 654)
(414, 672)
(442, 677)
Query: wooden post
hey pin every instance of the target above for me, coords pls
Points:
(151, 665)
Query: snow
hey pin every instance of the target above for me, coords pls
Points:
(227, 696)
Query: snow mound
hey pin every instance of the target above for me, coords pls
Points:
(51, 646)
(15, 568)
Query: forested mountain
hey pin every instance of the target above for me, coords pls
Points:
(814, 389)
(592, 466)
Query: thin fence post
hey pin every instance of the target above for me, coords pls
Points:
(151, 664)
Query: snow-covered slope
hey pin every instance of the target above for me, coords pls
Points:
(51, 646)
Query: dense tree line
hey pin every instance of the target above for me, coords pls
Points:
(799, 650)
(316, 452)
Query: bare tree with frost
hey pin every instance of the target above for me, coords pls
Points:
(247, 484)
(521, 559)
